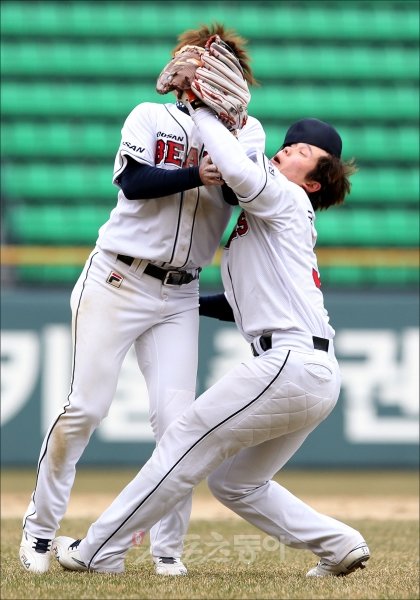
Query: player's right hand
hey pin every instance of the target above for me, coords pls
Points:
(209, 173)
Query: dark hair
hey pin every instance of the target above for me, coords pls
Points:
(333, 175)
(199, 37)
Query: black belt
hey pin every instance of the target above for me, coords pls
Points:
(266, 343)
(168, 277)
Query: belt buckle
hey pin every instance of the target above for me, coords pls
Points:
(175, 274)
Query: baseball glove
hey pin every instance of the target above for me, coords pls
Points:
(220, 84)
(211, 76)
(179, 73)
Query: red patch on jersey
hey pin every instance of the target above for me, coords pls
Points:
(316, 278)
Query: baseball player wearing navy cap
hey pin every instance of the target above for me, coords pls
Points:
(247, 426)
(140, 287)
(314, 132)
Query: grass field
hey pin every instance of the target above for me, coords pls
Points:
(226, 557)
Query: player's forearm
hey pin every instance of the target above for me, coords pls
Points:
(239, 172)
(217, 307)
(142, 182)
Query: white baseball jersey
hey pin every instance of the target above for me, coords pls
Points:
(274, 239)
(182, 230)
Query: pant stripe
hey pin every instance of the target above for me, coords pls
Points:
(210, 431)
(70, 392)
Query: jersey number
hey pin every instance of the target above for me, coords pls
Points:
(240, 229)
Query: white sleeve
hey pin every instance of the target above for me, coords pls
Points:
(260, 188)
(252, 136)
(138, 137)
(240, 173)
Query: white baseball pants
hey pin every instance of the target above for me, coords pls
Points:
(247, 426)
(162, 323)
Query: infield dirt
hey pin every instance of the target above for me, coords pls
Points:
(91, 504)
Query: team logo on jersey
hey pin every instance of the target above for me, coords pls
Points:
(115, 279)
(241, 229)
(170, 152)
(170, 136)
(133, 147)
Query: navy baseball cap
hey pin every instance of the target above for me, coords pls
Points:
(314, 132)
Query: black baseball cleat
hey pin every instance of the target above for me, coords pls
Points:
(66, 551)
(355, 559)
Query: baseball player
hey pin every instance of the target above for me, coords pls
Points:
(139, 287)
(247, 426)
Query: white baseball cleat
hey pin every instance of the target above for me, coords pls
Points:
(66, 551)
(35, 553)
(354, 560)
(168, 565)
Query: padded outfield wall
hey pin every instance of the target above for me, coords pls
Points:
(375, 423)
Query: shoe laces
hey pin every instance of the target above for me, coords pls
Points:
(74, 545)
(167, 560)
(42, 545)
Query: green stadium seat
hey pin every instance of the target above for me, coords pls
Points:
(84, 59)
(55, 225)
(385, 185)
(57, 139)
(333, 102)
(385, 143)
(337, 227)
(369, 276)
(104, 100)
(80, 100)
(379, 21)
(60, 183)
(79, 182)
(100, 59)
(363, 227)
(331, 61)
